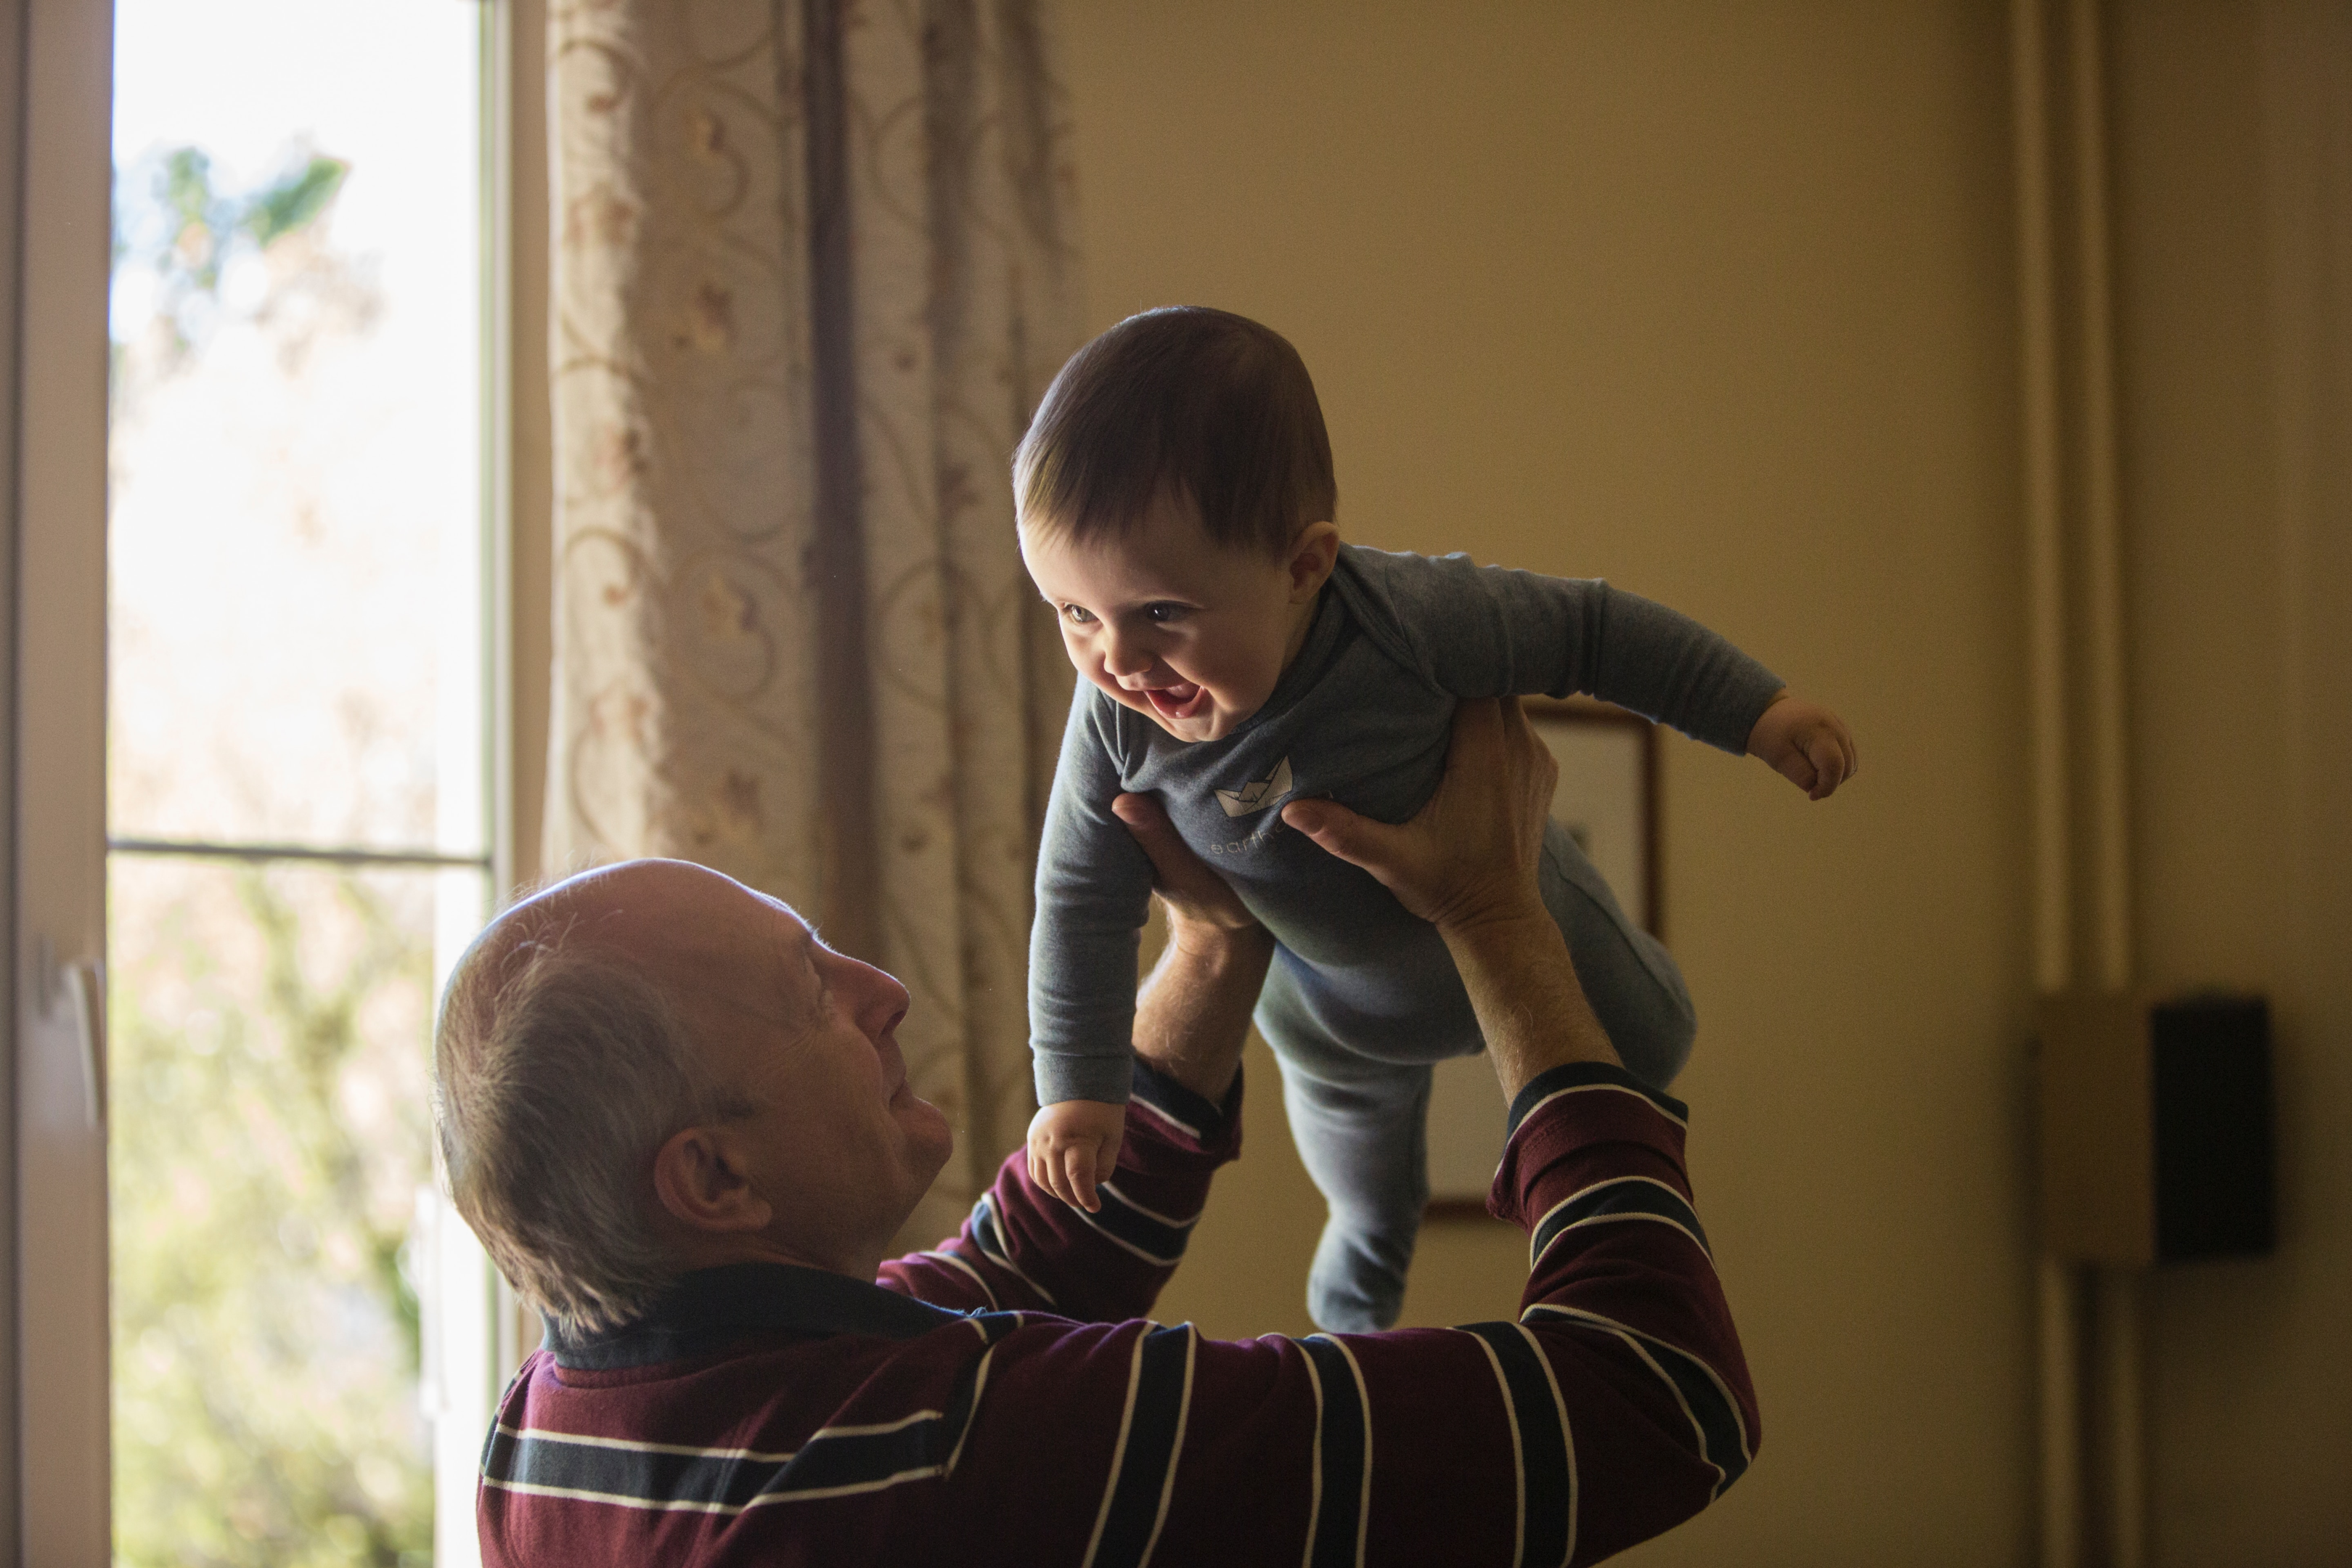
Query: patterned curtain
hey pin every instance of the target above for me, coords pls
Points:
(814, 266)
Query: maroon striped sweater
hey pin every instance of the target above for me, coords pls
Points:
(1001, 1400)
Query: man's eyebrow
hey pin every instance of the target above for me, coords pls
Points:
(824, 987)
(813, 1014)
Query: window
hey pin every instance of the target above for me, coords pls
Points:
(303, 500)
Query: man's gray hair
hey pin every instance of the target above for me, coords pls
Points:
(560, 1069)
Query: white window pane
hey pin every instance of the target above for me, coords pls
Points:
(297, 424)
(297, 656)
(268, 1061)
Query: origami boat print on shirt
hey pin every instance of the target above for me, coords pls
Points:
(1257, 795)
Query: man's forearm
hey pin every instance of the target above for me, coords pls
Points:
(1194, 1011)
(1523, 989)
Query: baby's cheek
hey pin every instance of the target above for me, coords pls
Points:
(1233, 673)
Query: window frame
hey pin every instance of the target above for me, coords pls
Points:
(61, 205)
(55, 214)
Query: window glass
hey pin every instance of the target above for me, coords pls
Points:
(269, 1139)
(296, 430)
(296, 691)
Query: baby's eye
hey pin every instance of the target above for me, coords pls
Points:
(1163, 612)
(1079, 614)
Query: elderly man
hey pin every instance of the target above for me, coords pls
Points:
(681, 1125)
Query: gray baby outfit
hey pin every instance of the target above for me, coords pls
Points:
(1362, 995)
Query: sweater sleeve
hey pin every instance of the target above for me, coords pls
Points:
(1616, 1405)
(1490, 631)
(1094, 890)
(1022, 1248)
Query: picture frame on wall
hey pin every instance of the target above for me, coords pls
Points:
(1607, 799)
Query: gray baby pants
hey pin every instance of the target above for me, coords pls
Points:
(1357, 1084)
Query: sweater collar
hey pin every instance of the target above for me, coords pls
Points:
(704, 1311)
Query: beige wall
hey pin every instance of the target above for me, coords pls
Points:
(1712, 301)
(1716, 300)
(2234, 294)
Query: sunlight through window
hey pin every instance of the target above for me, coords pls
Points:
(296, 759)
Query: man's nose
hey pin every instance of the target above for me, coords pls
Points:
(881, 1000)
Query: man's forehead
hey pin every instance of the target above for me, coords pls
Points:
(676, 911)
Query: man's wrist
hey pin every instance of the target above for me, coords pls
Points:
(1207, 1072)
(1194, 1010)
(1523, 985)
(1499, 926)
(1219, 947)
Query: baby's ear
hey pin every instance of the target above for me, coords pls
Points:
(1313, 554)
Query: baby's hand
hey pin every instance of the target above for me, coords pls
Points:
(1073, 1145)
(1809, 745)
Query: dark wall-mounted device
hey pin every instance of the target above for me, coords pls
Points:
(2156, 1128)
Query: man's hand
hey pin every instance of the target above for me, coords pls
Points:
(1198, 899)
(1073, 1147)
(1469, 854)
(1809, 745)
(1466, 862)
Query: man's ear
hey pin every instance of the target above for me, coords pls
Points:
(701, 1180)
(1313, 554)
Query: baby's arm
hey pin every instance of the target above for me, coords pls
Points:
(1073, 1147)
(1094, 885)
(1809, 745)
(1488, 631)
(1192, 1030)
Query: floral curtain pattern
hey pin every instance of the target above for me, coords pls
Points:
(814, 266)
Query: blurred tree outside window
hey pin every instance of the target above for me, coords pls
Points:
(297, 786)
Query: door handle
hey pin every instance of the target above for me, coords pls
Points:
(73, 995)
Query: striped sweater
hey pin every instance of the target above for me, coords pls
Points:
(1003, 1400)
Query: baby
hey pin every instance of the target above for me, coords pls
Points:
(1176, 505)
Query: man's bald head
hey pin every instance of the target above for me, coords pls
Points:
(564, 1058)
(651, 1068)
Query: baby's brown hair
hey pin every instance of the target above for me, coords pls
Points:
(1202, 404)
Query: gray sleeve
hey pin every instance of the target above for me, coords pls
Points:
(1093, 889)
(1488, 631)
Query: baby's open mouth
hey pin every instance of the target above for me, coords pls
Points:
(1181, 700)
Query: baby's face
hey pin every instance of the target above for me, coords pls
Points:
(1189, 633)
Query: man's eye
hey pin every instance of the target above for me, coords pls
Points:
(1163, 612)
(1079, 614)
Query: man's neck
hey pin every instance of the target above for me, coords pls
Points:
(701, 1250)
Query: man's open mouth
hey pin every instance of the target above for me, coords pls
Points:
(1181, 700)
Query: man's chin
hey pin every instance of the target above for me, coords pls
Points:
(928, 1136)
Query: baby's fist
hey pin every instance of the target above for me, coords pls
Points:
(1073, 1145)
(1807, 745)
